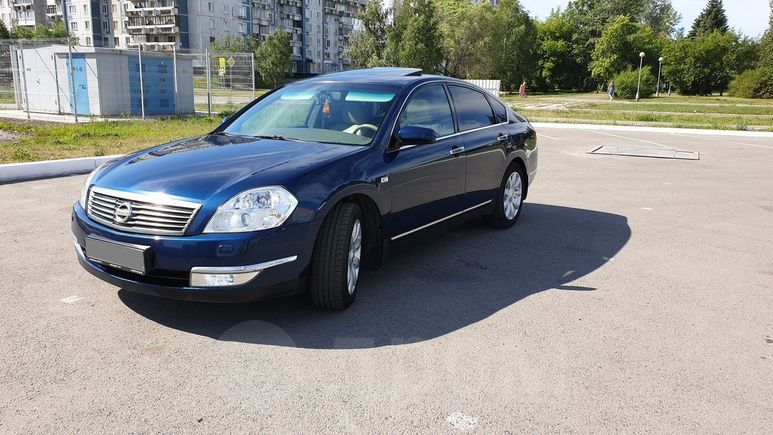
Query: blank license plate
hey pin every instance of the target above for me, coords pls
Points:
(122, 256)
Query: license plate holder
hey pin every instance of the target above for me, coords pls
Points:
(124, 256)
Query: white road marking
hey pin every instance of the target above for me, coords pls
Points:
(462, 422)
(71, 299)
(633, 138)
(646, 208)
(726, 141)
(539, 135)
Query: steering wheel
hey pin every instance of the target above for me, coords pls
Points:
(359, 128)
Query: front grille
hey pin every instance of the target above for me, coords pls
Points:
(150, 214)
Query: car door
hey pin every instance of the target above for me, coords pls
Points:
(426, 182)
(486, 141)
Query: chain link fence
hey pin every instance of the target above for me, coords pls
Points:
(42, 78)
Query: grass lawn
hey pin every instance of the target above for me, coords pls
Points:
(726, 113)
(32, 141)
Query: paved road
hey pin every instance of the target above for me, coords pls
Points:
(635, 294)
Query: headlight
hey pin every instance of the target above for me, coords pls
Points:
(253, 210)
(87, 184)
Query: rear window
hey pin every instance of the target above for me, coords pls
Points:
(473, 108)
(500, 111)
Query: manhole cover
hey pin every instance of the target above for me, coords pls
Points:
(645, 152)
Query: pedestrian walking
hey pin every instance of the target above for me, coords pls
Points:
(611, 91)
(522, 90)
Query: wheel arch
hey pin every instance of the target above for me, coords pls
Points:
(367, 197)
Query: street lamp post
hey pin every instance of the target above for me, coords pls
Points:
(638, 85)
(660, 66)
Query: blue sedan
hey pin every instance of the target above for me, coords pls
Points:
(304, 186)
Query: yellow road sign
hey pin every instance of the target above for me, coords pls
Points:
(231, 61)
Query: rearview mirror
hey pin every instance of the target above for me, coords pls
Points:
(415, 135)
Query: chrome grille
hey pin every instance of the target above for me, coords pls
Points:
(150, 214)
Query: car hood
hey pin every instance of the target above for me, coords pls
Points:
(199, 168)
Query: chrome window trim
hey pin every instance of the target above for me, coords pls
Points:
(449, 98)
(441, 220)
(150, 198)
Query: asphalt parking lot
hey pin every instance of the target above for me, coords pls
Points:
(634, 295)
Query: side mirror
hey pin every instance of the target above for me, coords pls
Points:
(415, 135)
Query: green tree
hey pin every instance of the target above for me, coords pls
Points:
(745, 54)
(513, 45)
(234, 44)
(697, 66)
(661, 16)
(4, 33)
(561, 57)
(766, 43)
(712, 18)
(366, 46)
(619, 46)
(273, 58)
(414, 40)
(465, 37)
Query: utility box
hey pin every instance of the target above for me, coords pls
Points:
(101, 82)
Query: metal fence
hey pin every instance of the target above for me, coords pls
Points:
(58, 77)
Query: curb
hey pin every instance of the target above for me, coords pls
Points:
(760, 134)
(27, 171)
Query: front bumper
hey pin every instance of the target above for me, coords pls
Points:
(281, 255)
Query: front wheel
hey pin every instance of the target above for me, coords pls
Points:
(509, 201)
(336, 260)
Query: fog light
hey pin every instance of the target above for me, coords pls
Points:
(221, 279)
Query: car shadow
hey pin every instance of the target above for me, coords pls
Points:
(433, 287)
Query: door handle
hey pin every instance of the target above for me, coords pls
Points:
(503, 138)
(457, 150)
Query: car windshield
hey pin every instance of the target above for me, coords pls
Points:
(337, 113)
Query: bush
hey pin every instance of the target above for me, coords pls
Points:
(755, 83)
(626, 82)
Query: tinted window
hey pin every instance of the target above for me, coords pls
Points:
(429, 108)
(500, 112)
(472, 107)
(325, 112)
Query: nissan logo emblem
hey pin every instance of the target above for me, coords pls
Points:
(123, 211)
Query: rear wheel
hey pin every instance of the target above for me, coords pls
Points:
(336, 259)
(509, 201)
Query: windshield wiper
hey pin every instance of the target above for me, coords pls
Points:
(276, 137)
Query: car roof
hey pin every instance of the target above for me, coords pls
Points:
(385, 75)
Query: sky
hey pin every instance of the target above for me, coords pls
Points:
(748, 16)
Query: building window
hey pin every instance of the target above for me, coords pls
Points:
(106, 26)
(85, 25)
(225, 9)
(212, 24)
(116, 41)
(115, 24)
(114, 8)
(104, 9)
(88, 40)
(73, 26)
(211, 7)
(72, 9)
(85, 9)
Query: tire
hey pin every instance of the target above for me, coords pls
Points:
(330, 286)
(503, 216)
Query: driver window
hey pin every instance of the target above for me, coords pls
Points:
(429, 108)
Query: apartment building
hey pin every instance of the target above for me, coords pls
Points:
(318, 29)
(24, 13)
